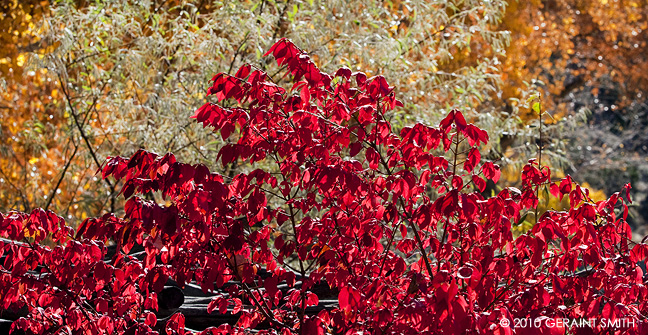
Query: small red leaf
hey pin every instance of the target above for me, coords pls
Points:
(244, 71)
(355, 148)
(491, 171)
(348, 298)
(372, 158)
(150, 319)
(639, 253)
(465, 272)
(343, 72)
(472, 159)
(479, 183)
(270, 284)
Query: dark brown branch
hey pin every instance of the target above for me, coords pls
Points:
(58, 183)
(80, 128)
(238, 50)
(281, 21)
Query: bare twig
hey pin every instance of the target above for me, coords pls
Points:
(58, 183)
(280, 21)
(238, 50)
(68, 98)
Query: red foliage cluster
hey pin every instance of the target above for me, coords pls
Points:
(394, 223)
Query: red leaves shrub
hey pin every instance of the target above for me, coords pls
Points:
(394, 224)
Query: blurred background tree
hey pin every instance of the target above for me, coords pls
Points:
(31, 153)
(588, 54)
(125, 75)
(83, 79)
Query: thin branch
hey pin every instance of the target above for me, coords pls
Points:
(80, 128)
(238, 50)
(280, 21)
(58, 183)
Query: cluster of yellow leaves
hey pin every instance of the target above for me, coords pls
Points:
(35, 139)
(23, 102)
(569, 44)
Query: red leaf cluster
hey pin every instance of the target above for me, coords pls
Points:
(394, 223)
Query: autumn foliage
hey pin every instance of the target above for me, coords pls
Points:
(394, 223)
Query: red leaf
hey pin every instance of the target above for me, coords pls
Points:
(588, 212)
(639, 253)
(237, 305)
(565, 186)
(343, 72)
(304, 93)
(456, 117)
(491, 171)
(219, 303)
(475, 135)
(465, 272)
(175, 324)
(274, 47)
(311, 299)
(373, 158)
(469, 206)
(406, 246)
(555, 190)
(348, 298)
(472, 160)
(355, 148)
(575, 196)
(244, 71)
(150, 319)
(312, 325)
(270, 284)
(106, 324)
(626, 189)
(361, 78)
(102, 272)
(448, 203)
(479, 183)
(457, 182)
(227, 154)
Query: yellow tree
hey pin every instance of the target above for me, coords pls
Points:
(572, 45)
(30, 152)
(585, 54)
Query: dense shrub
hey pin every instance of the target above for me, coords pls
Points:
(394, 224)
